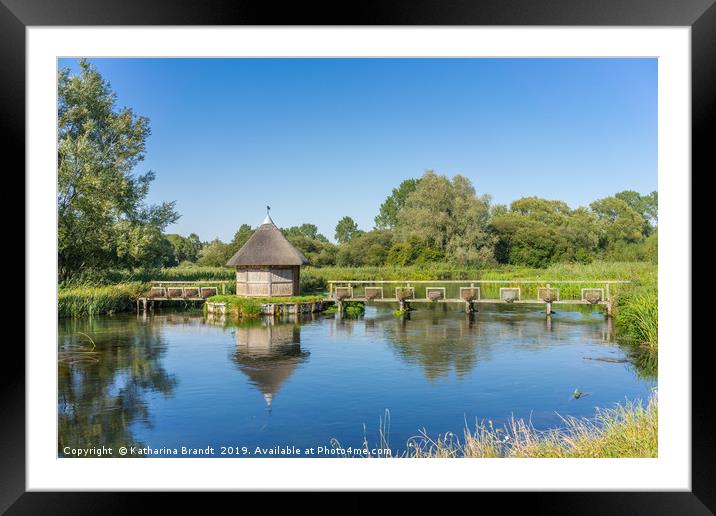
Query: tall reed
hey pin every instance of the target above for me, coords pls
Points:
(628, 430)
(89, 300)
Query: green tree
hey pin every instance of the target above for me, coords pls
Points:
(102, 218)
(309, 231)
(619, 222)
(215, 253)
(448, 217)
(387, 218)
(537, 232)
(241, 236)
(346, 229)
(185, 249)
(645, 205)
(370, 248)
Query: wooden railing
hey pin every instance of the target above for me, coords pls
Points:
(598, 291)
(187, 290)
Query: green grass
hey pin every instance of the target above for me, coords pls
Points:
(635, 314)
(628, 430)
(637, 317)
(89, 300)
(244, 307)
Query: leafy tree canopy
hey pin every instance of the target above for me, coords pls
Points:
(387, 217)
(103, 221)
(447, 216)
(346, 229)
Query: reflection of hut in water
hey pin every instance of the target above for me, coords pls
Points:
(268, 355)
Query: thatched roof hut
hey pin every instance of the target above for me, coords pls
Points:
(267, 265)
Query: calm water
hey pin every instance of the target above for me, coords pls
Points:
(177, 379)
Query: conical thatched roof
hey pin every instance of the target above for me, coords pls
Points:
(268, 246)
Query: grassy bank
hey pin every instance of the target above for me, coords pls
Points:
(637, 317)
(636, 304)
(629, 430)
(90, 300)
(251, 307)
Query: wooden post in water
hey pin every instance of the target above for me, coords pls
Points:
(549, 304)
(608, 301)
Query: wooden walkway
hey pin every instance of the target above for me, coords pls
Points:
(470, 292)
(180, 291)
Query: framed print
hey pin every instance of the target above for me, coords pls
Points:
(413, 250)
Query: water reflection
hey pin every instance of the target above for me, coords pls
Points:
(117, 382)
(268, 353)
(105, 372)
(437, 343)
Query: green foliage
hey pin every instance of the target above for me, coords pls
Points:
(83, 301)
(330, 310)
(309, 231)
(626, 430)
(102, 219)
(369, 248)
(354, 310)
(243, 307)
(618, 222)
(346, 229)
(184, 249)
(537, 232)
(413, 252)
(216, 253)
(638, 316)
(447, 216)
(645, 205)
(387, 217)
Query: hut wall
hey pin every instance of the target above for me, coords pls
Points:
(267, 281)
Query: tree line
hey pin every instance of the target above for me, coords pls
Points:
(104, 222)
(439, 219)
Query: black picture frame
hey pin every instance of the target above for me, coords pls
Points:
(700, 15)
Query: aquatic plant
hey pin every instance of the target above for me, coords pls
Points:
(88, 300)
(354, 309)
(638, 317)
(626, 430)
(251, 307)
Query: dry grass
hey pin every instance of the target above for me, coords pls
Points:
(628, 430)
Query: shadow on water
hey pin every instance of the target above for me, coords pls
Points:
(106, 368)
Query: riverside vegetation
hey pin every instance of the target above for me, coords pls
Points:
(636, 310)
(111, 243)
(625, 430)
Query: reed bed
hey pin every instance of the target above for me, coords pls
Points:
(625, 430)
(638, 317)
(84, 301)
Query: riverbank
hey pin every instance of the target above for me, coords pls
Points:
(628, 430)
(82, 301)
(636, 305)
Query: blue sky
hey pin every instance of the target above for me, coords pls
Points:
(318, 139)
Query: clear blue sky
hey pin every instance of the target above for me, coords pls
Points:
(318, 139)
